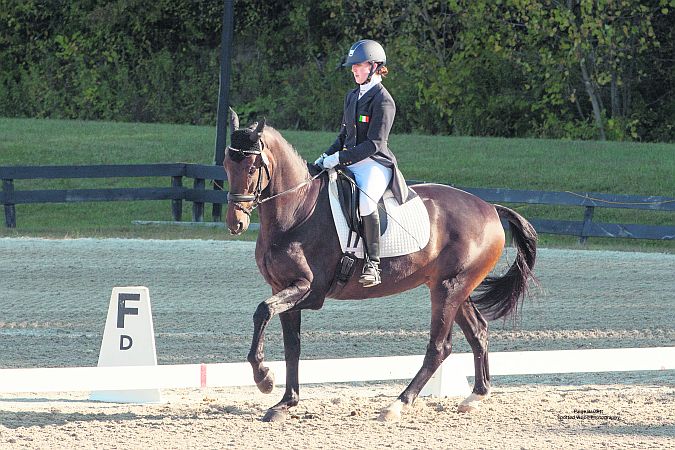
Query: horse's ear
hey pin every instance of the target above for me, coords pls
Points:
(257, 133)
(234, 120)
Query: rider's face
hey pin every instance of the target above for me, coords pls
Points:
(361, 71)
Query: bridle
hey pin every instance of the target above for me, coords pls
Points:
(237, 154)
(237, 199)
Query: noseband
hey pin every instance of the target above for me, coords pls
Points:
(236, 199)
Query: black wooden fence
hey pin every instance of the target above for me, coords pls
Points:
(177, 192)
(198, 194)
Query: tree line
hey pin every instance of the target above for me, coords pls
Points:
(577, 69)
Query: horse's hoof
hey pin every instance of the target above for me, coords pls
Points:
(388, 415)
(392, 413)
(275, 415)
(471, 403)
(467, 408)
(266, 385)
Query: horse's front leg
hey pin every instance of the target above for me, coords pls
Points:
(290, 324)
(280, 302)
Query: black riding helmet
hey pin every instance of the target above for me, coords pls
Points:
(365, 50)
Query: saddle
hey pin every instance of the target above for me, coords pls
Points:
(404, 228)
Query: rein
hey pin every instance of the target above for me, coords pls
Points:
(307, 181)
(237, 199)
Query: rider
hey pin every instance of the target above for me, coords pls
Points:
(362, 146)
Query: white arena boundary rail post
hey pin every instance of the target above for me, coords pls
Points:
(455, 370)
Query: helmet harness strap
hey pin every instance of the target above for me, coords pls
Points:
(373, 68)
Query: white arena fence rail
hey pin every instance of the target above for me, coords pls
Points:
(332, 370)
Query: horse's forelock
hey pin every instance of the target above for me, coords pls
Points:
(241, 140)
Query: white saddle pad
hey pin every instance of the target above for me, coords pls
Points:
(407, 229)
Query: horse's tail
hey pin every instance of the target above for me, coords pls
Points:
(500, 296)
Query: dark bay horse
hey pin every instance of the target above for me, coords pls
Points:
(298, 252)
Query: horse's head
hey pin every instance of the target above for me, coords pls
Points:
(247, 168)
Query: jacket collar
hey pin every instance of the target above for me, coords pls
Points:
(370, 93)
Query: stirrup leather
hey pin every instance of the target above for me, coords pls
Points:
(370, 275)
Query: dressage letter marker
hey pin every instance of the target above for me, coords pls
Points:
(128, 340)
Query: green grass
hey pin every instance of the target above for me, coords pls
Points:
(537, 164)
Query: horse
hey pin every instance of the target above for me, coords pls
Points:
(298, 252)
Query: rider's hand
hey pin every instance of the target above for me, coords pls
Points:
(331, 161)
(319, 160)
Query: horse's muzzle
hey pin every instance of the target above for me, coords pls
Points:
(237, 221)
(238, 229)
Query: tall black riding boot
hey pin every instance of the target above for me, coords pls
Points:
(371, 235)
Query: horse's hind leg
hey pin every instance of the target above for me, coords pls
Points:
(475, 329)
(446, 299)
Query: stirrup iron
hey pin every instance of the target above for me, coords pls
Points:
(370, 275)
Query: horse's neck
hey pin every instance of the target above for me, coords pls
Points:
(294, 200)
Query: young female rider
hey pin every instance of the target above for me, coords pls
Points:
(362, 145)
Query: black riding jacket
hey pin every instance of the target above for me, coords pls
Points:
(366, 123)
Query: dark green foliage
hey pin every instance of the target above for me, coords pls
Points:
(481, 68)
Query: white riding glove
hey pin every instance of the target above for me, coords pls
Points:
(331, 161)
(319, 160)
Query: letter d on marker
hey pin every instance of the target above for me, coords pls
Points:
(128, 340)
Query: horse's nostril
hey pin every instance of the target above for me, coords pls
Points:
(238, 229)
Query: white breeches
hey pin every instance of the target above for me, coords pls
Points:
(372, 178)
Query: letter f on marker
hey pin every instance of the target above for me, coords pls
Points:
(122, 309)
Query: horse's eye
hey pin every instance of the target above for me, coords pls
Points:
(251, 170)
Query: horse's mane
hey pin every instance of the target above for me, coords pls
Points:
(274, 139)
